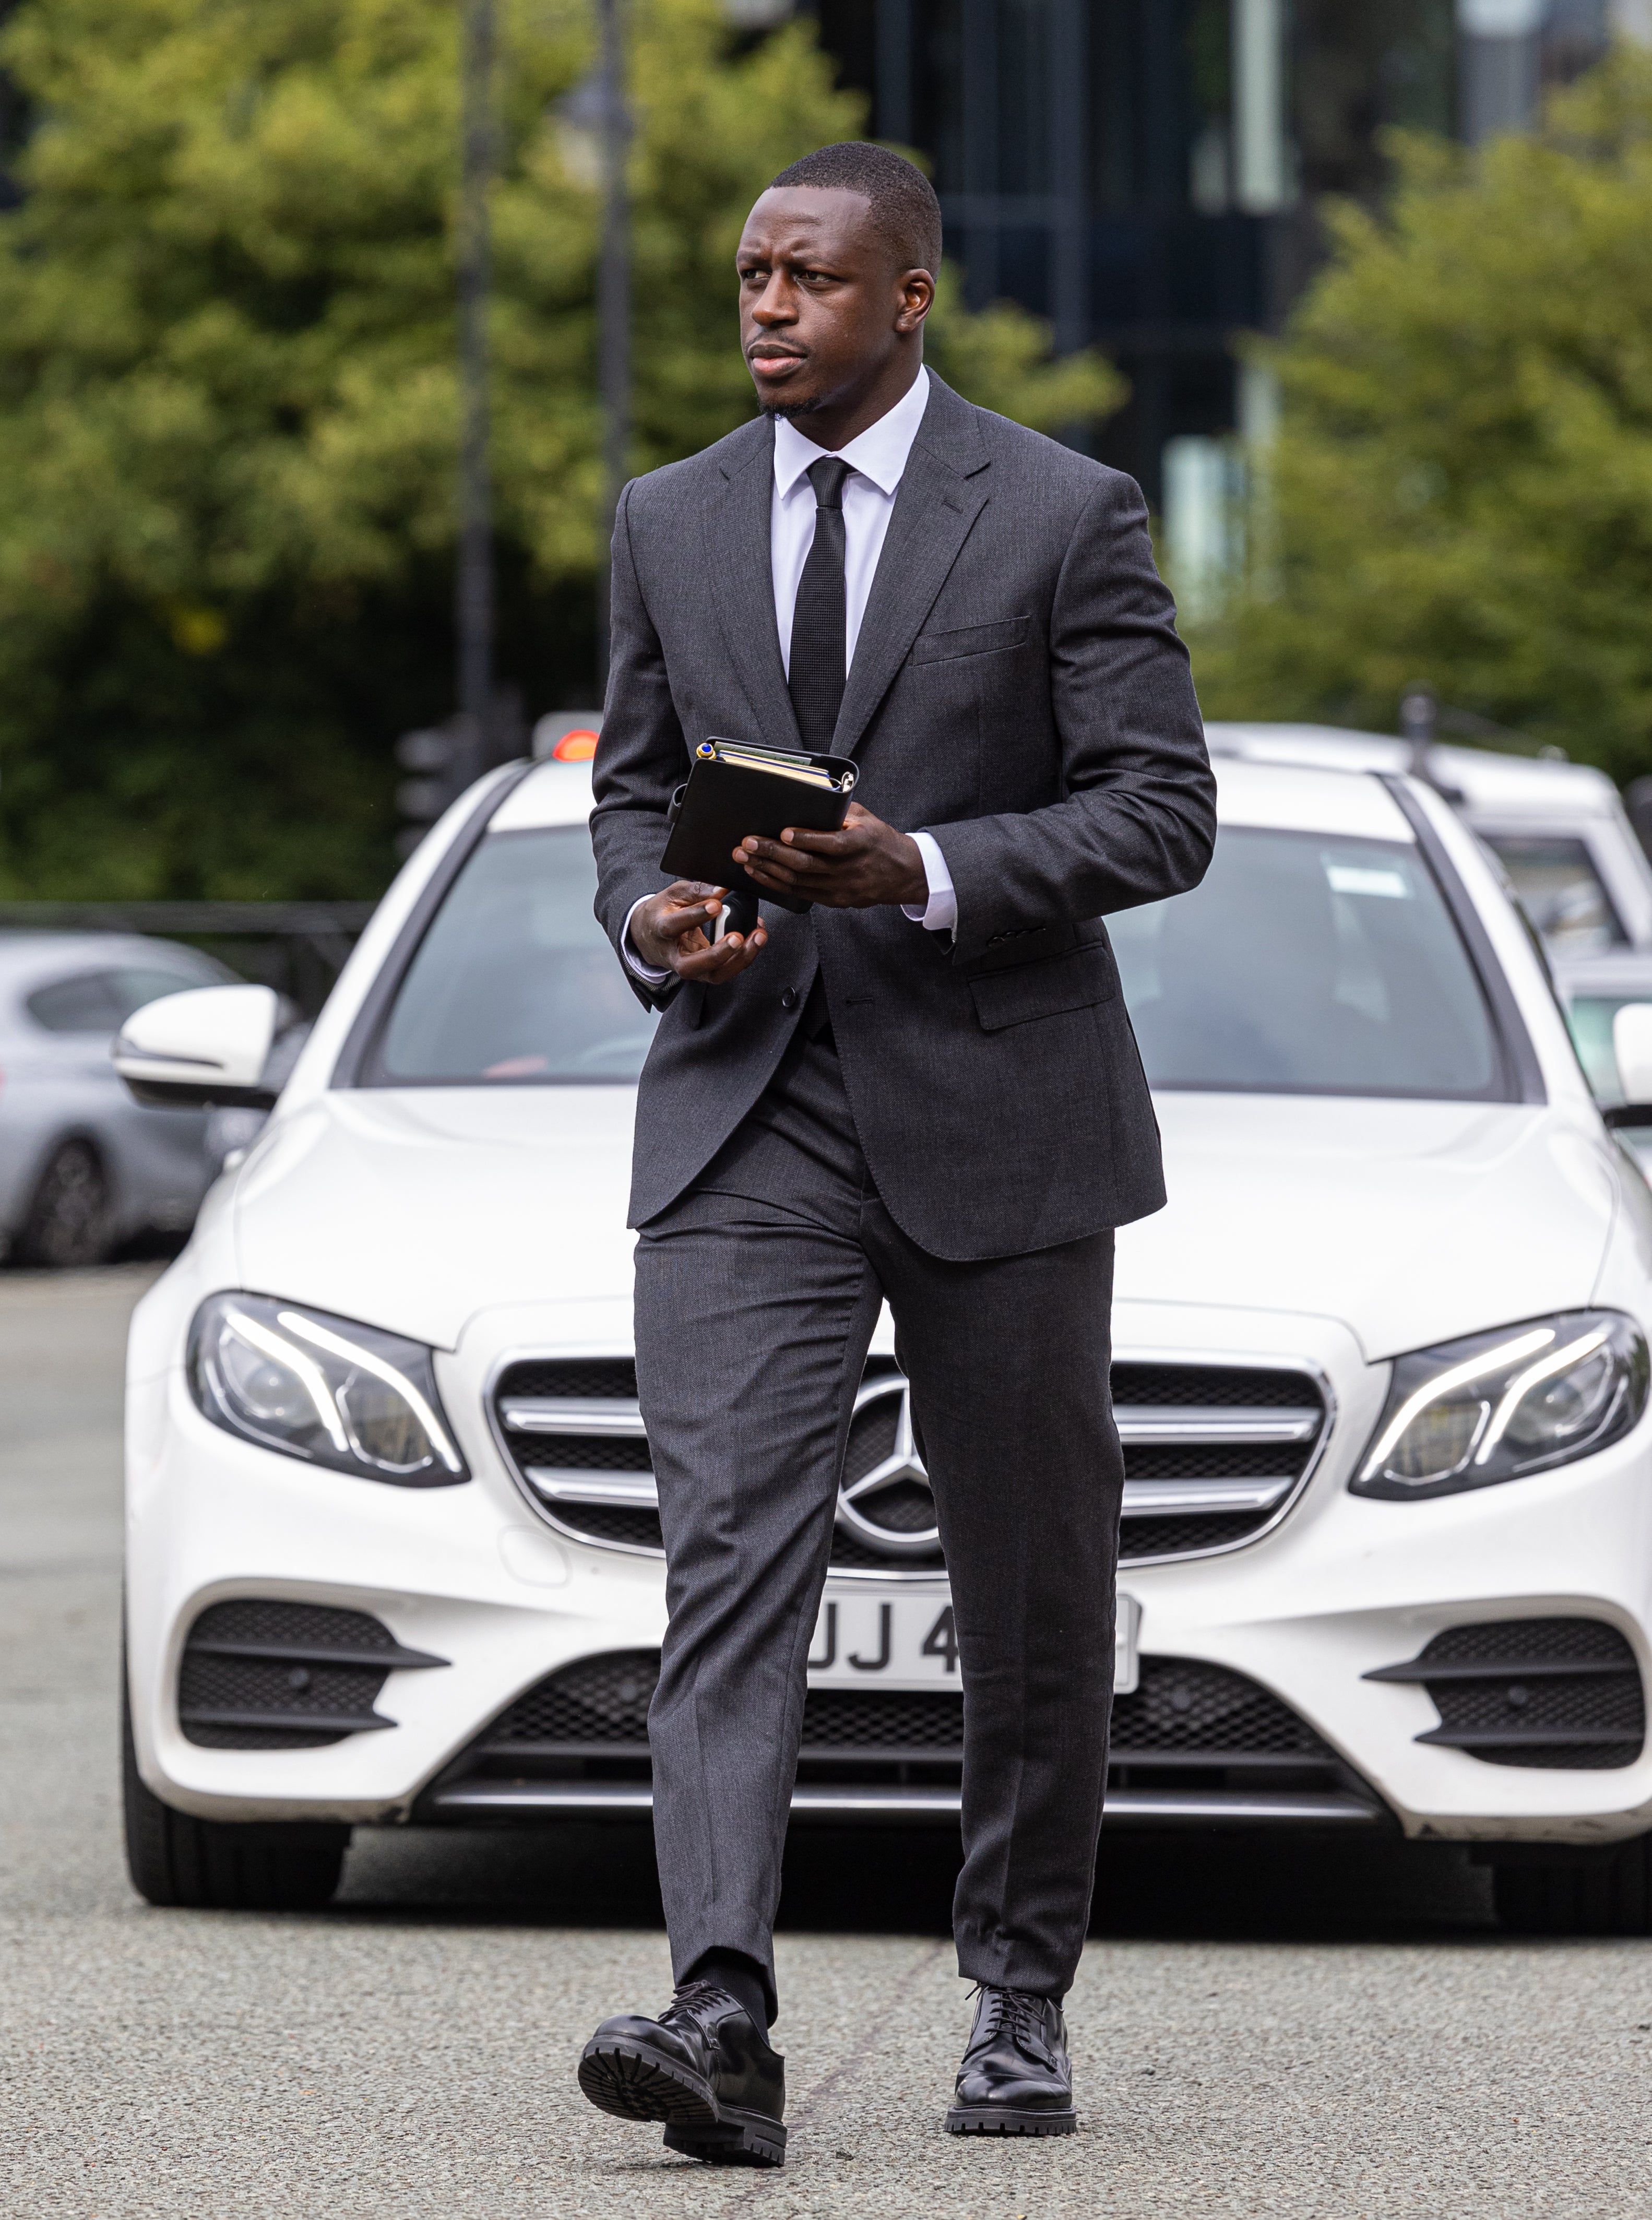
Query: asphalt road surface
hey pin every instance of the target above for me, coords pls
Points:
(1257, 2030)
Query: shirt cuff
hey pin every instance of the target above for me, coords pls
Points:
(940, 912)
(646, 972)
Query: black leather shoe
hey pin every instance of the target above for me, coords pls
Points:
(702, 2067)
(1016, 2078)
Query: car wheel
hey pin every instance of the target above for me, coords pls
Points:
(215, 1865)
(1601, 1895)
(68, 1221)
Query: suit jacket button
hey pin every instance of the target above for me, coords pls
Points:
(788, 999)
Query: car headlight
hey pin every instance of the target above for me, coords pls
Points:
(323, 1389)
(1497, 1405)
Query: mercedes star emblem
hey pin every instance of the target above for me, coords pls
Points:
(858, 1500)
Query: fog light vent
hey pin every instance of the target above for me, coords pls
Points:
(1560, 1693)
(260, 1673)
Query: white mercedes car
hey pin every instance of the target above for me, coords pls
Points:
(1381, 1374)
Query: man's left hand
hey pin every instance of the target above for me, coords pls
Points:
(867, 864)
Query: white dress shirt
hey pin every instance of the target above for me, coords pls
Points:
(877, 460)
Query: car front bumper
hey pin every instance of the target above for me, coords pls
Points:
(472, 1575)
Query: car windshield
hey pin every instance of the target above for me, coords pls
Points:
(515, 984)
(1305, 964)
(1308, 964)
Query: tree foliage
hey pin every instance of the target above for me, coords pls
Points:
(1461, 493)
(228, 403)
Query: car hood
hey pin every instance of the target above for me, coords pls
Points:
(1410, 1222)
(414, 1208)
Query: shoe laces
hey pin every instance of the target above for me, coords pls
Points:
(695, 2001)
(1016, 2013)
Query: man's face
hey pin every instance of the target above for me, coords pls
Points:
(823, 306)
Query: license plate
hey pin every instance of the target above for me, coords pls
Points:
(911, 1642)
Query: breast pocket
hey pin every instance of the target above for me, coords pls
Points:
(970, 640)
(1077, 980)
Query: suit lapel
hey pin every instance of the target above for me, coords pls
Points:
(742, 579)
(943, 490)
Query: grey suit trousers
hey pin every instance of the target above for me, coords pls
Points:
(758, 1291)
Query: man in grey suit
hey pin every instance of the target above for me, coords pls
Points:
(924, 1090)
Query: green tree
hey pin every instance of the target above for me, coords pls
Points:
(1461, 492)
(227, 400)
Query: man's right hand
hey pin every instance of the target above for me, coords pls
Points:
(672, 932)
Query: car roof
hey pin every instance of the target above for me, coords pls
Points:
(552, 794)
(1287, 797)
(1488, 781)
(1603, 972)
(26, 956)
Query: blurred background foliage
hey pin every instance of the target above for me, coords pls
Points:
(1460, 492)
(228, 401)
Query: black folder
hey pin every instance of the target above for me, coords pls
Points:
(734, 789)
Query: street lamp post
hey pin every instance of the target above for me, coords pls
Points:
(612, 296)
(475, 581)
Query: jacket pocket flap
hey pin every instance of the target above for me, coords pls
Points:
(1074, 981)
(969, 640)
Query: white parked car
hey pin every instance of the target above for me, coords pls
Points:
(1558, 829)
(1381, 1372)
(82, 1167)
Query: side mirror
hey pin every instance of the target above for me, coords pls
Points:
(1631, 1045)
(212, 1048)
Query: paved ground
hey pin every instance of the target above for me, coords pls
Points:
(1274, 2033)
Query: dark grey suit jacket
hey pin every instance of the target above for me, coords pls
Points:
(1018, 690)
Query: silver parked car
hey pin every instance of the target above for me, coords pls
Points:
(82, 1167)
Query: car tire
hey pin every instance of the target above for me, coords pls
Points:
(1609, 1894)
(178, 1861)
(69, 1219)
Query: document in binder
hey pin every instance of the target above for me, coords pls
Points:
(734, 789)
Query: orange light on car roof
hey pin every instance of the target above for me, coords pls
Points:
(577, 747)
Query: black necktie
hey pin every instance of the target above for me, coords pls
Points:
(819, 618)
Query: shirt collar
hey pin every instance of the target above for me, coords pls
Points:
(879, 452)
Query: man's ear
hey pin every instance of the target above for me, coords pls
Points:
(917, 290)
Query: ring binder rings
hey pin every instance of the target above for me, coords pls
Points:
(734, 787)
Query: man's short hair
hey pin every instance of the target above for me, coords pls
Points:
(904, 206)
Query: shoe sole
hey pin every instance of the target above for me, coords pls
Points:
(1008, 2120)
(740, 2139)
(632, 2083)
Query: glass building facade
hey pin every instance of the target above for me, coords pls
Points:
(1145, 173)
